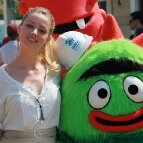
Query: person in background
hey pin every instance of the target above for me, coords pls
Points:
(5, 40)
(136, 23)
(9, 50)
(29, 85)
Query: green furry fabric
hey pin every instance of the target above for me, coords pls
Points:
(112, 138)
(112, 62)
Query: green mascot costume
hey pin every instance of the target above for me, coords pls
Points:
(102, 94)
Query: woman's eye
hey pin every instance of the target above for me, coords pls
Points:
(29, 26)
(133, 87)
(99, 95)
(42, 31)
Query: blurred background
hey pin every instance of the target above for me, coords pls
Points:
(121, 9)
(8, 14)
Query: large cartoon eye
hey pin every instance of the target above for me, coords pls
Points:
(99, 94)
(133, 87)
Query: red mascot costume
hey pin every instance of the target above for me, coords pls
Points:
(83, 16)
(71, 15)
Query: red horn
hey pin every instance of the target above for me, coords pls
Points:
(110, 29)
(138, 40)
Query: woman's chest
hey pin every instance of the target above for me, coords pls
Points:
(24, 101)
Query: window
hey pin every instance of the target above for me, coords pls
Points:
(141, 5)
(103, 5)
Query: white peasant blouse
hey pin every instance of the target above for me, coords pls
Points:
(20, 107)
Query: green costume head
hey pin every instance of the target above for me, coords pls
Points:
(102, 96)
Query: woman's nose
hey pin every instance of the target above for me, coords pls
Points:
(34, 32)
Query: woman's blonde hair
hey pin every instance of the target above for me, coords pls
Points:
(48, 52)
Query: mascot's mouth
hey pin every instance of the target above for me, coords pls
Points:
(70, 26)
(108, 123)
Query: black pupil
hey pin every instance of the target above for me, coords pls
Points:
(133, 89)
(102, 93)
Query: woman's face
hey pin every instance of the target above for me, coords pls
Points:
(34, 31)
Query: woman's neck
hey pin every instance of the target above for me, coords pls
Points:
(27, 63)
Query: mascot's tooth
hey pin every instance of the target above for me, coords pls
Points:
(81, 23)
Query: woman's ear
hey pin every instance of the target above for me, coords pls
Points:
(19, 27)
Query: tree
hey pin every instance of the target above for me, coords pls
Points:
(13, 5)
(1, 9)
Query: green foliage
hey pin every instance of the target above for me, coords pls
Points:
(15, 10)
(1, 9)
(13, 7)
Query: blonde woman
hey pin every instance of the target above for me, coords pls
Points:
(29, 86)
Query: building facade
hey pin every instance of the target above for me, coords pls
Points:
(121, 10)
